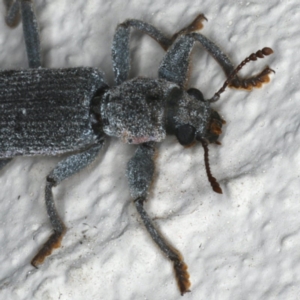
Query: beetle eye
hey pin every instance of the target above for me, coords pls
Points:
(195, 93)
(185, 134)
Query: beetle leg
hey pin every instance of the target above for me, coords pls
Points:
(215, 52)
(30, 28)
(120, 46)
(31, 34)
(175, 65)
(237, 82)
(194, 26)
(12, 17)
(4, 162)
(63, 170)
(140, 172)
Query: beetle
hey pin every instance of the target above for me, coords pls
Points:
(73, 110)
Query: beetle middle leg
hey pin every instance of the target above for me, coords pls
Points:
(140, 172)
(30, 28)
(63, 170)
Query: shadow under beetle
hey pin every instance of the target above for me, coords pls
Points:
(73, 110)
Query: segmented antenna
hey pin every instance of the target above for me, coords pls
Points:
(213, 181)
(259, 54)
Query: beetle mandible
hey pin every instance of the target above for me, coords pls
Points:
(73, 110)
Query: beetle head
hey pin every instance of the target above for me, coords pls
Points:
(191, 118)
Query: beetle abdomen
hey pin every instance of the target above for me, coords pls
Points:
(47, 111)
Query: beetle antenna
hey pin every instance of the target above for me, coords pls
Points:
(213, 181)
(259, 54)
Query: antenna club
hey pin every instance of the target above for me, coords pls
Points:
(266, 51)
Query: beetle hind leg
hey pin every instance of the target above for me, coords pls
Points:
(63, 170)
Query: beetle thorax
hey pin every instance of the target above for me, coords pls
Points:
(135, 110)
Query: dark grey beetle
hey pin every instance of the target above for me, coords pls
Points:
(56, 111)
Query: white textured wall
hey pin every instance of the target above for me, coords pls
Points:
(244, 244)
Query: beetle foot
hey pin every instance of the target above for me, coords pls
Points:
(196, 25)
(253, 82)
(182, 276)
(53, 242)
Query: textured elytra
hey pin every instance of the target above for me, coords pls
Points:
(47, 111)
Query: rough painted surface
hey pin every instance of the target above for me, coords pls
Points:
(243, 244)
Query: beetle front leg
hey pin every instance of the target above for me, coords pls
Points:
(120, 46)
(140, 172)
(175, 64)
(63, 170)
